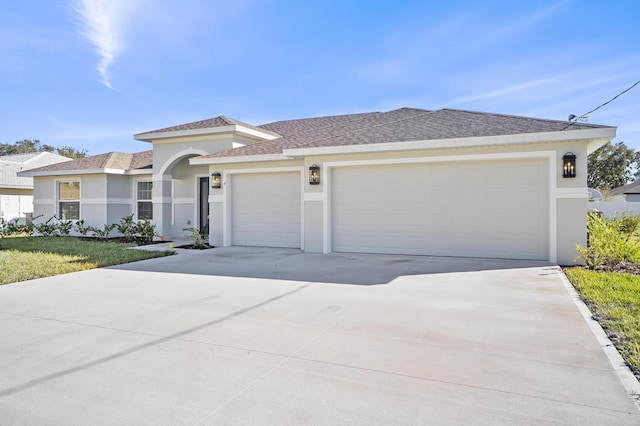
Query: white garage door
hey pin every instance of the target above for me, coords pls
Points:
(476, 209)
(266, 209)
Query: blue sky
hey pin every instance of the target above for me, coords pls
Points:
(91, 73)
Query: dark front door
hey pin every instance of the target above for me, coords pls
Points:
(203, 205)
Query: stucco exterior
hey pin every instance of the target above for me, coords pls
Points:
(266, 198)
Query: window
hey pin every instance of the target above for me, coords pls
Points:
(69, 200)
(145, 206)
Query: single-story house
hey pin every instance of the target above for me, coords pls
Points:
(625, 198)
(16, 192)
(409, 181)
(630, 191)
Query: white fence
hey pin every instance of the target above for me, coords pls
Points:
(15, 206)
(613, 206)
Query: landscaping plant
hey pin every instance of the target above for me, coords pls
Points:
(197, 238)
(613, 242)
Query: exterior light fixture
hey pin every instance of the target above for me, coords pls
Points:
(569, 165)
(314, 175)
(216, 180)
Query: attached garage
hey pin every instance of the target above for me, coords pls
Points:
(494, 208)
(266, 209)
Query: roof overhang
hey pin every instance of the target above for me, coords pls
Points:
(231, 129)
(28, 173)
(594, 138)
(238, 159)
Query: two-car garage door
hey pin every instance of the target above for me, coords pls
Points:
(476, 209)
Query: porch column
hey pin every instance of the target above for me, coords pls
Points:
(162, 204)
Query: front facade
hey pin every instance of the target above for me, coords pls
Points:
(409, 181)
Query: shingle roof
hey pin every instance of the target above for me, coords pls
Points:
(404, 124)
(10, 165)
(110, 160)
(630, 188)
(221, 121)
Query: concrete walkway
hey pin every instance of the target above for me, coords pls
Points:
(270, 336)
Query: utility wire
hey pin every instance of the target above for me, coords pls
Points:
(576, 119)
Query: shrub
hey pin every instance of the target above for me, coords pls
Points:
(127, 227)
(103, 233)
(48, 228)
(64, 228)
(145, 230)
(197, 238)
(82, 229)
(612, 241)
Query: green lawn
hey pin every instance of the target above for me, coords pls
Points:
(614, 299)
(26, 258)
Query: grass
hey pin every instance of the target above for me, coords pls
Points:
(614, 299)
(27, 258)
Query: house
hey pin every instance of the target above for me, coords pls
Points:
(409, 181)
(16, 193)
(625, 198)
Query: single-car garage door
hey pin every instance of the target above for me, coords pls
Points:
(477, 209)
(266, 209)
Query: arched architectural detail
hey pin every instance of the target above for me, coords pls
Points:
(177, 157)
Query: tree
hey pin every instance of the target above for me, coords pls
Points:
(67, 151)
(612, 166)
(28, 146)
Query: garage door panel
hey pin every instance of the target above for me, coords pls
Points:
(266, 209)
(477, 209)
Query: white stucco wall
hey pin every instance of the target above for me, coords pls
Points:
(567, 196)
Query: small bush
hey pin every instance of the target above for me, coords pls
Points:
(48, 228)
(198, 239)
(127, 227)
(145, 230)
(82, 229)
(103, 233)
(612, 241)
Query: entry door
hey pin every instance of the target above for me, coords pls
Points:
(203, 205)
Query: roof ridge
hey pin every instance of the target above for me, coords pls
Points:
(113, 157)
(322, 117)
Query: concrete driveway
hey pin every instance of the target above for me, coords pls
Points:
(270, 336)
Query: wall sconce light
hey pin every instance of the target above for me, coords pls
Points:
(314, 175)
(216, 180)
(569, 165)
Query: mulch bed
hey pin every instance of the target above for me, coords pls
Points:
(194, 247)
(624, 267)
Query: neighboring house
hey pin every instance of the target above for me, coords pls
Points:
(409, 181)
(624, 198)
(16, 193)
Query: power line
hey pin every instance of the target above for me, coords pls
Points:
(586, 114)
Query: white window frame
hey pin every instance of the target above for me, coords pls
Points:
(138, 200)
(59, 200)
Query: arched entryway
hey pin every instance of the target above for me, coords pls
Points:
(180, 198)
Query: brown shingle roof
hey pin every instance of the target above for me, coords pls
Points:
(404, 124)
(221, 121)
(110, 160)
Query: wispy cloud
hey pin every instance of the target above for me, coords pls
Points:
(102, 23)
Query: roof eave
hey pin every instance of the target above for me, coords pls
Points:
(234, 128)
(594, 137)
(238, 159)
(44, 173)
